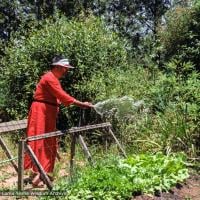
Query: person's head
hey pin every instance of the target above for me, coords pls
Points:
(60, 66)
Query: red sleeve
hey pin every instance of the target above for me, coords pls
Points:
(55, 88)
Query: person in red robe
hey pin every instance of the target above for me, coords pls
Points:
(42, 117)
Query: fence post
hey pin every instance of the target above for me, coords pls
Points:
(8, 153)
(21, 165)
(116, 140)
(72, 153)
(39, 166)
(85, 148)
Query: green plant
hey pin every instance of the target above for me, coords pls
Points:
(116, 178)
(88, 44)
(180, 37)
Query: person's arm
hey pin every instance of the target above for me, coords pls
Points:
(56, 89)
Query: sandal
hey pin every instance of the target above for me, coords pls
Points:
(37, 182)
(40, 184)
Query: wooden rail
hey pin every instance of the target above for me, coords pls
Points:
(70, 131)
(6, 127)
(76, 135)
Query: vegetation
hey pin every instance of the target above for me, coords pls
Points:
(117, 178)
(84, 43)
(145, 51)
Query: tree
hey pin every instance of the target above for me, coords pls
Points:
(132, 19)
(180, 38)
(14, 14)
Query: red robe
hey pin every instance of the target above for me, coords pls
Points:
(42, 119)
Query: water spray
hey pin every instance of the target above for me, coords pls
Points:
(121, 108)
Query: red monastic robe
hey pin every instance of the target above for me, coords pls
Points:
(42, 119)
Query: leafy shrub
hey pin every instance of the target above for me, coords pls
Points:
(174, 123)
(117, 82)
(180, 38)
(174, 130)
(175, 86)
(89, 45)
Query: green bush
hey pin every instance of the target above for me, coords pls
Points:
(88, 44)
(176, 86)
(176, 129)
(133, 82)
(180, 38)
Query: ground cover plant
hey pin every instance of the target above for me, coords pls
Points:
(118, 178)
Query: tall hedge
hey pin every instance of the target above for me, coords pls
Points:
(88, 44)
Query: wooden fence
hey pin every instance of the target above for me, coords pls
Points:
(75, 133)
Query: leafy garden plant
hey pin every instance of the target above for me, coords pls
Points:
(117, 178)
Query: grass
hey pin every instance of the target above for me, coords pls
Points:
(12, 146)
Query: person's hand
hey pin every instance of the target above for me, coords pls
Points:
(87, 105)
(83, 104)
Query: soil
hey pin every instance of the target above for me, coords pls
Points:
(189, 190)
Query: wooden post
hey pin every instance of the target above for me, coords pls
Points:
(21, 165)
(116, 140)
(72, 153)
(8, 153)
(85, 148)
(105, 142)
(40, 168)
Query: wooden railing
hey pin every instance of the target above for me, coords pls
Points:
(75, 133)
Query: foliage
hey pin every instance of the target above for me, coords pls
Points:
(15, 15)
(132, 19)
(116, 178)
(117, 82)
(180, 37)
(173, 121)
(91, 48)
(172, 96)
(176, 129)
(178, 85)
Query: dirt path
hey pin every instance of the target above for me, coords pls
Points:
(8, 181)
